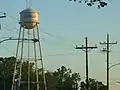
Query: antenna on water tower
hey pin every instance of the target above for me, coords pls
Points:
(28, 3)
(29, 20)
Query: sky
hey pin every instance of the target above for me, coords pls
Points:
(67, 25)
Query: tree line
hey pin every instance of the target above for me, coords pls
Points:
(61, 79)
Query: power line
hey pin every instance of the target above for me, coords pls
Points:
(114, 65)
(59, 54)
(58, 37)
(5, 47)
(107, 50)
(56, 55)
(62, 54)
(41, 29)
(16, 31)
(16, 20)
(86, 49)
(53, 55)
(61, 39)
(6, 27)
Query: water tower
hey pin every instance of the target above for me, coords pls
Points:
(29, 20)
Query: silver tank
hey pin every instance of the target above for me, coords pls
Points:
(29, 18)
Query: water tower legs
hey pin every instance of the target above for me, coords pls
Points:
(33, 39)
(43, 74)
(15, 68)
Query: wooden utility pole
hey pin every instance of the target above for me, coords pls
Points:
(86, 49)
(108, 43)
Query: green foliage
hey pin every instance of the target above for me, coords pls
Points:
(61, 79)
(93, 85)
(66, 79)
(24, 76)
(7, 66)
(6, 72)
(100, 3)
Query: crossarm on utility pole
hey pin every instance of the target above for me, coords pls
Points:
(86, 48)
(107, 43)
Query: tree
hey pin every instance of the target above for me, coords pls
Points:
(93, 85)
(61, 79)
(6, 72)
(100, 3)
(24, 77)
(65, 79)
(7, 69)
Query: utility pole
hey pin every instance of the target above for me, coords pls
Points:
(86, 49)
(107, 50)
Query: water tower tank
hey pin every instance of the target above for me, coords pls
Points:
(29, 18)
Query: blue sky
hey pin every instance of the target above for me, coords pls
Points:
(69, 23)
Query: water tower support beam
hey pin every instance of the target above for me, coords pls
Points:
(21, 57)
(28, 61)
(12, 88)
(36, 68)
(41, 59)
